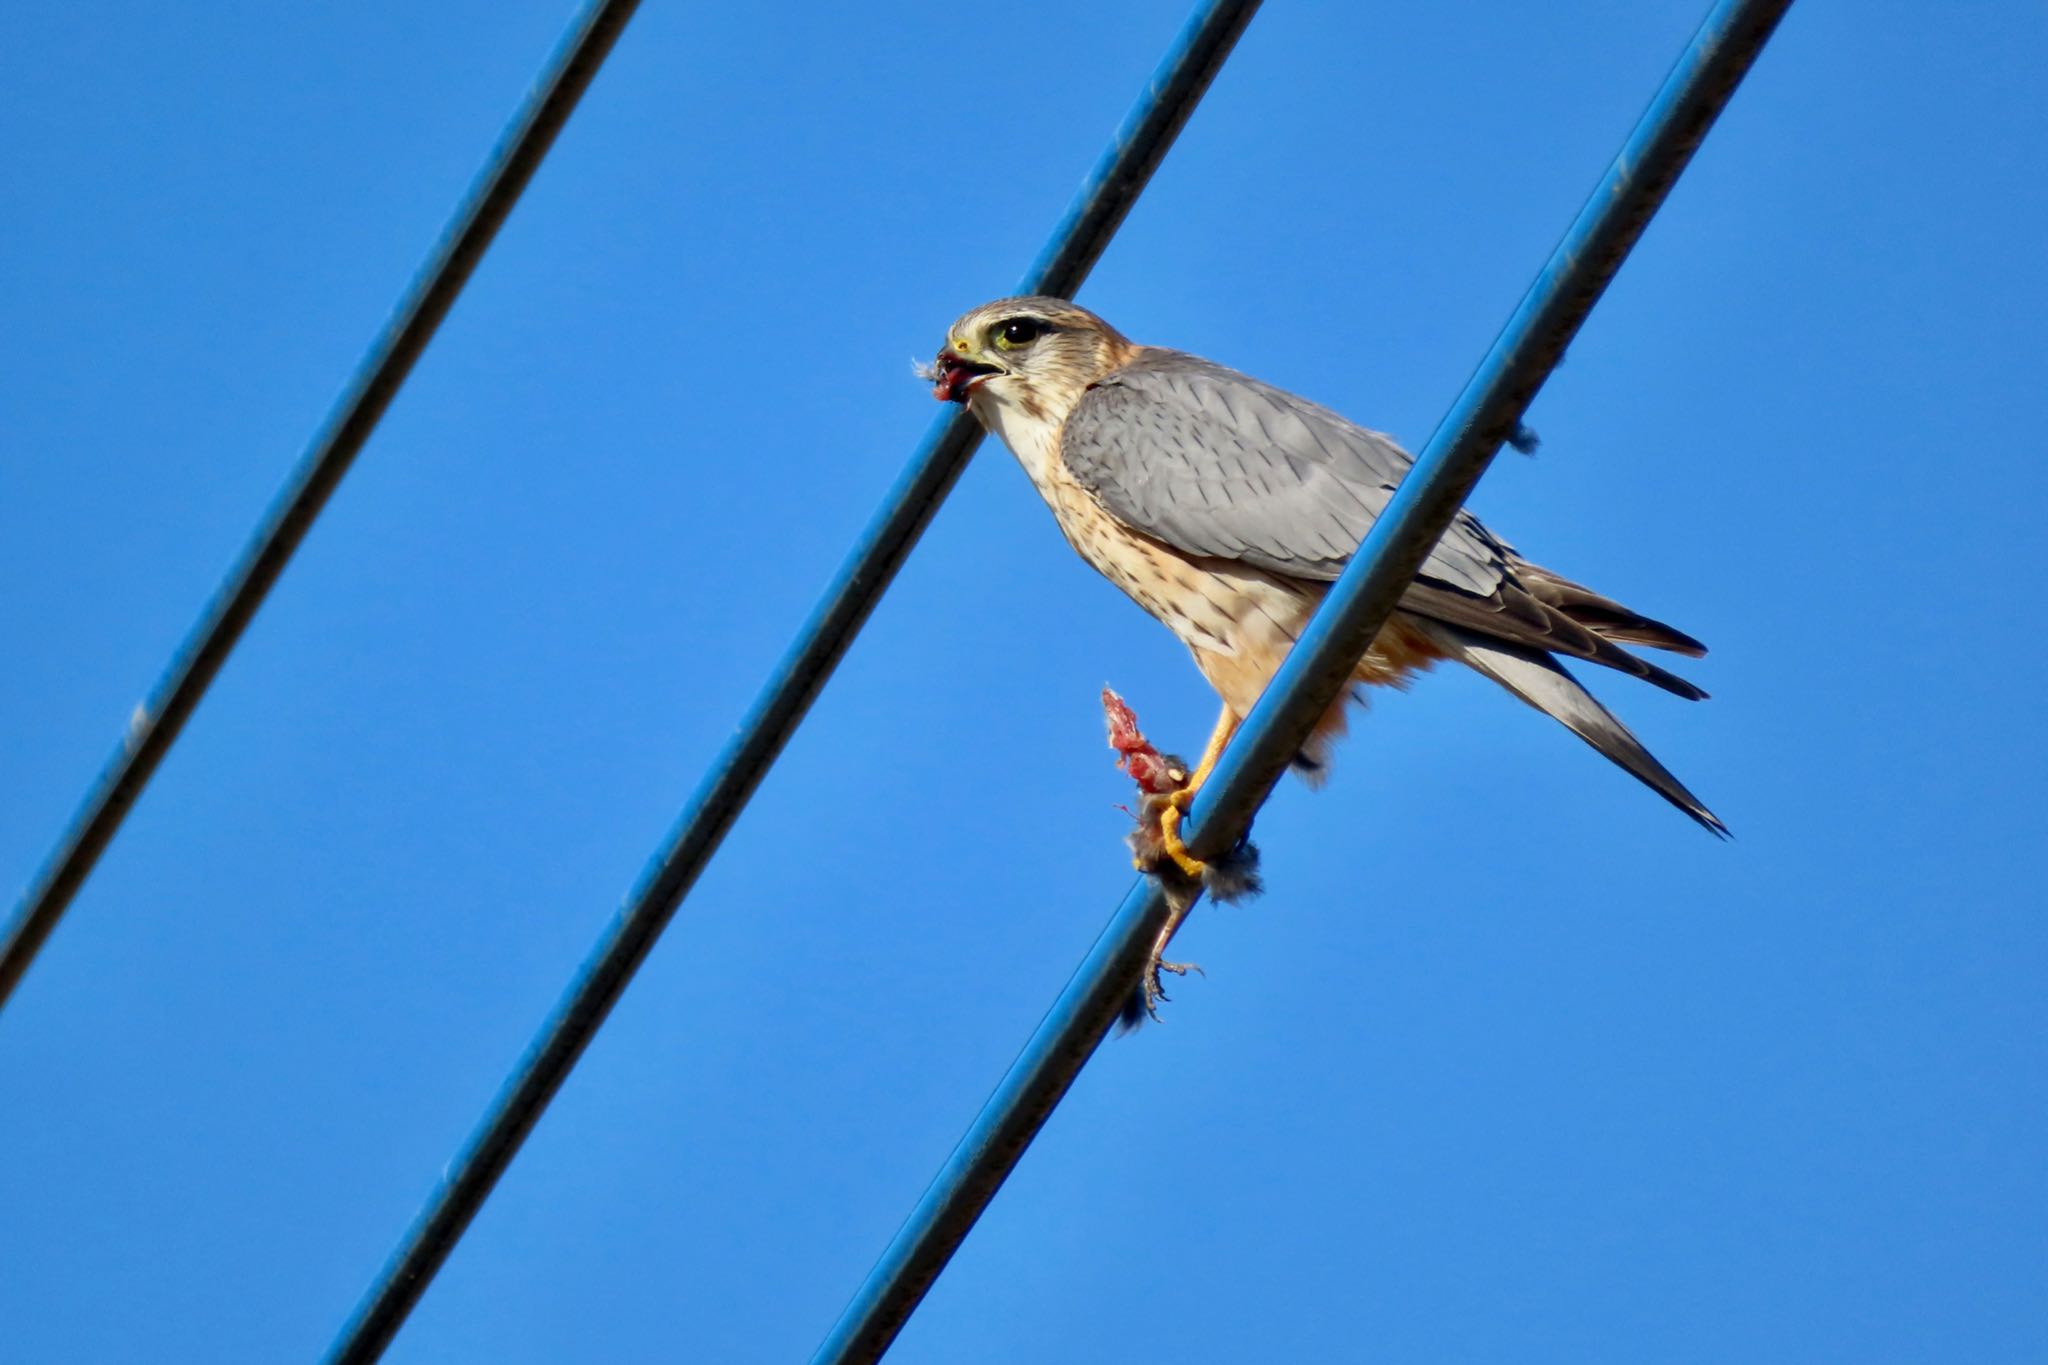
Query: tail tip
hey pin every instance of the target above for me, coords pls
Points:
(1709, 822)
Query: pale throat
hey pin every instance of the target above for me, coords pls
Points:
(1031, 434)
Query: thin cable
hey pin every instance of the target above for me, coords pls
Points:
(433, 291)
(1076, 244)
(1358, 604)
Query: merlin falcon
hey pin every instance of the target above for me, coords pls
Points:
(1225, 507)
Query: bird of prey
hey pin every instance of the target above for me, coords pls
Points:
(1225, 507)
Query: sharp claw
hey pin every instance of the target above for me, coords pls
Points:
(1155, 989)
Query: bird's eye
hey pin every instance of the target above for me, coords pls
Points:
(1018, 333)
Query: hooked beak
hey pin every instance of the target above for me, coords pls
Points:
(954, 377)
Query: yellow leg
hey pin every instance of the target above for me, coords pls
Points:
(1170, 818)
(1219, 739)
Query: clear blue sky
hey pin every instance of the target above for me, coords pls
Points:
(1511, 1063)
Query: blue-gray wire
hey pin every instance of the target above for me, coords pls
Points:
(1076, 244)
(433, 291)
(1485, 414)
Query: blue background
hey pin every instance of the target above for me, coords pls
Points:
(1511, 1063)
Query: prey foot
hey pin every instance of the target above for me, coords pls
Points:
(1155, 988)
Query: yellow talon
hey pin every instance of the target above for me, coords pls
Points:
(1169, 835)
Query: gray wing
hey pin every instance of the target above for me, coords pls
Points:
(1215, 464)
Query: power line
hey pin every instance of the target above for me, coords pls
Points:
(348, 427)
(1358, 604)
(1076, 244)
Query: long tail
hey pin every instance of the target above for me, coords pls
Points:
(1540, 680)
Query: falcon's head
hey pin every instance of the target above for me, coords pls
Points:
(1037, 355)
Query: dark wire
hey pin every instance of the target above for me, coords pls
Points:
(156, 723)
(1076, 244)
(1486, 414)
